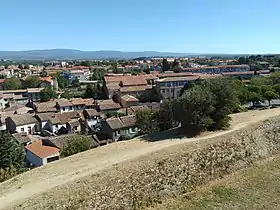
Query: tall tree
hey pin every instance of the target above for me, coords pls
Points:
(11, 153)
(32, 82)
(269, 95)
(146, 121)
(165, 65)
(47, 94)
(194, 108)
(12, 83)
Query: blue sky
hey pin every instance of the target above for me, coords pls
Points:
(205, 26)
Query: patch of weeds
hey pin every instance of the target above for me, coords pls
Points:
(224, 194)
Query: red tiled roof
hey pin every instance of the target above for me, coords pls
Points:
(40, 150)
(46, 79)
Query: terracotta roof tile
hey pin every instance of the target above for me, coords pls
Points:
(40, 150)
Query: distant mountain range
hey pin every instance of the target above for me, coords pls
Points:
(68, 54)
(65, 54)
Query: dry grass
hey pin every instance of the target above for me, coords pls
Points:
(98, 178)
(257, 187)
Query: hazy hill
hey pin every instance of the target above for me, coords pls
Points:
(77, 54)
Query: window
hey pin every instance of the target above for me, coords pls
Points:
(22, 129)
(118, 132)
(63, 108)
(133, 130)
(70, 108)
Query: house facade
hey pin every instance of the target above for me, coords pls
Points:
(38, 154)
(22, 123)
(118, 128)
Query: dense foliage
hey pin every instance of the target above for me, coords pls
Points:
(12, 83)
(207, 105)
(32, 82)
(47, 94)
(11, 156)
(76, 145)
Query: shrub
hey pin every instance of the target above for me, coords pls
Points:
(76, 145)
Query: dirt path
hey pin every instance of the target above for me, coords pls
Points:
(42, 179)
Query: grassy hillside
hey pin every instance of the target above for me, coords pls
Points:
(173, 171)
(257, 187)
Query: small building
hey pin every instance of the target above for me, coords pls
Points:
(64, 105)
(38, 154)
(73, 126)
(128, 100)
(116, 128)
(91, 120)
(22, 123)
(23, 138)
(170, 87)
(107, 105)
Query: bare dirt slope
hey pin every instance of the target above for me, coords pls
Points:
(37, 181)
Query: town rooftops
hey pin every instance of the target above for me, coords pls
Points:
(115, 123)
(133, 89)
(46, 107)
(128, 121)
(23, 119)
(238, 73)
(22, 138)
(91, 112)
(46, 79)
(108, 104)
(129, 98)
(178, 79)
(45, 116)
(40, 150)
(63, 102)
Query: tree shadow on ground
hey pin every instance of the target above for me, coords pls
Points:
(176, 133)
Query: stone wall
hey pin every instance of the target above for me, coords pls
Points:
(171, 172)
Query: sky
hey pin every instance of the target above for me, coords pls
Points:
(188, 26)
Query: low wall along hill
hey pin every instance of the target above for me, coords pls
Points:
(166, 174)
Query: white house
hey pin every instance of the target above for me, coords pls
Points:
(38, 154)
(22, 123)
(92, 120)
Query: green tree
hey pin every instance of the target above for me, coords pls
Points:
(94, 92)
(32, 81)
(146, 121)
(12, 83)
(76, 145)
(47, 94)
(75, 83)
(165, 116)
(11, 153)
(276, 88)
(226, 101)
(67, 94)
(62, 81)
(6, 66)
(194, 108)
(269, 95)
